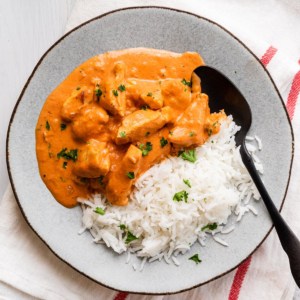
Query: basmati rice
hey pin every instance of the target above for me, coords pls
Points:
(165, 228)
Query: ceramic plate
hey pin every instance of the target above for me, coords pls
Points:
(160, 28)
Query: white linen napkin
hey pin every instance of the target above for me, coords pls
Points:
(269, 29)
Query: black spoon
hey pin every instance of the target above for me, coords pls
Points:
(223, 94)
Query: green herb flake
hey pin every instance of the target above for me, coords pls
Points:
(147, 133)
(187, 182)
(187, 83)
(98, 92)
(64, 165)
(115, 92)
(122, 134)
(78, 88)
(122, 227)
(47, 125)
(189, 155)
(145, 148)
(195, 258)
(149, 95)
(144, 107)
(130, 175)
(163, 142)
(68, 155)
(130, 237)
(100, 211)
(192, 133)
(122, 88)
(212, 226)
(181, 196)
(63, 126)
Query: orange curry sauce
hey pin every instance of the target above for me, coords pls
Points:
(115, 116)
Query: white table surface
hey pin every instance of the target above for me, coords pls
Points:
(27, 29)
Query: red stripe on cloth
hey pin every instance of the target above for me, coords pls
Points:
(238, 279)
(269, 54)
(121, 296)
(293, 95)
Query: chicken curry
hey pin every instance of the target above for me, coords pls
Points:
(115, 116)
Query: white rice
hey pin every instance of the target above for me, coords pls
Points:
(165, 228)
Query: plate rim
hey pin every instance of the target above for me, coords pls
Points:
(32, 75)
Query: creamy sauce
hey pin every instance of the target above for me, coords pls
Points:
(115, 116)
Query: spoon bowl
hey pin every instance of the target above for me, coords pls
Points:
(223, 94)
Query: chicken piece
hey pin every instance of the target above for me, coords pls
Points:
(74, 103)
(89, 122)
(212, 125)
(147, 91)
(138, 124)
(189, 128)
(93, 160)
(176, 93)
(120, 182)
(160, 149)
(113, 98)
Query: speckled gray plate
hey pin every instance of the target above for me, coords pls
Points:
(163, 29)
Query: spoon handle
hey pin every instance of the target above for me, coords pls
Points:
(288, 239)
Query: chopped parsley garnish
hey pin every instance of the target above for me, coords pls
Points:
(71, 155)
(147, 133)
(100, 180)
(145, 148)
(98, 92)
(149, 95)
(78, 88)
(122, 134)
(65, 163)
(47, 125)
(192, 133)
(99, 211)
(122, 226)
(63, 126)
(185, 82)
(196, 259)
(189, 155)
(129, 236)
(181, 196)
(115, 92)
(121, 88)
(144, 107)
(163, 142)
(130, 175)
(187, 182)
(212, 226)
